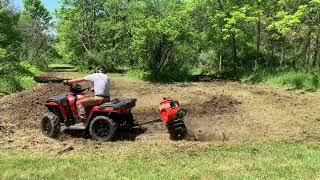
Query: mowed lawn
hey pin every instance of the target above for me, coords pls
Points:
(277, 160)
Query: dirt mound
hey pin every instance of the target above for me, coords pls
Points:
(24, 109)
(218, 109)
(55, 77)
(209, 78)
(218, 104)
(25, 112)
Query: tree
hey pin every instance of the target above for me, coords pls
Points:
(36, 10)
(34, 23)
(9, 39)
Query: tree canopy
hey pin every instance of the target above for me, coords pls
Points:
(167, 38)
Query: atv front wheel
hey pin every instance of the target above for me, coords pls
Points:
(50, 125)
(102, 128)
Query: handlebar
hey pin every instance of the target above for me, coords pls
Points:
(65, 82)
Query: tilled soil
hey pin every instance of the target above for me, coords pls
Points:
(216, 111)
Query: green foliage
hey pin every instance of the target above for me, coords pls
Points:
(60, 66)
(37, 46)
(136, 33)
(31, 69)
(168, 75)
(290, 79)
(9, 35)
(166, 39)
(296, 80)
(19, 78)
(36, 10)
(23, 36)
(137, 73)
(8, 62)
(171, 73)
(9, 84)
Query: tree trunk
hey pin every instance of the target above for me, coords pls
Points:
(234, 52)
(256, 63)
(317, 45)
(316, 51)
(220, 63)
(272, 48)
(307, 49)
(283, 52)
(93, 24)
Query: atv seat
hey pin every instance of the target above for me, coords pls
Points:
(61, 99)
(119, 103)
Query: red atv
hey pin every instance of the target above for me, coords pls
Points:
(102, 122)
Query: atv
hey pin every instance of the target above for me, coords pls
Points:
(103, 120)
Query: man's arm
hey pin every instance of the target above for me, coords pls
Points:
(73, 81)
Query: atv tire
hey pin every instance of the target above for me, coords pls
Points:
(102, 128)
(50, 125)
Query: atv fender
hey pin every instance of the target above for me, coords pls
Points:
(52, 104)
(61, 109)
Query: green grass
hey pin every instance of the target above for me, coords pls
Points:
(137, 74)
(60, 66)
(280, 160)
(290, 79)
(196, 71)
(29, 68)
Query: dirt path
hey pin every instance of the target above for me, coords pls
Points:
(217, 111)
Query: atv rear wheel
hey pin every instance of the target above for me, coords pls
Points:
(50, 125)
(102, 128)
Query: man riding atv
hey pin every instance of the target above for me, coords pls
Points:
(101, 90)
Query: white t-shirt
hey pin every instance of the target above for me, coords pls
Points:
(100, 83)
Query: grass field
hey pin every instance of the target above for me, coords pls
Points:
(308, 81)
(278, 160)
(62, 68)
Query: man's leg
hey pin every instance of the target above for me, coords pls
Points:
(86, 102)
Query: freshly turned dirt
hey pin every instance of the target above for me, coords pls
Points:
(216, 111)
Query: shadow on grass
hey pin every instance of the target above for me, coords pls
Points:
(125, 135)
(121, 135)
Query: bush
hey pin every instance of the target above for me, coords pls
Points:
(21, 77)
(137, 73)
(167, 75)
(295, 80)
(170, 74)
